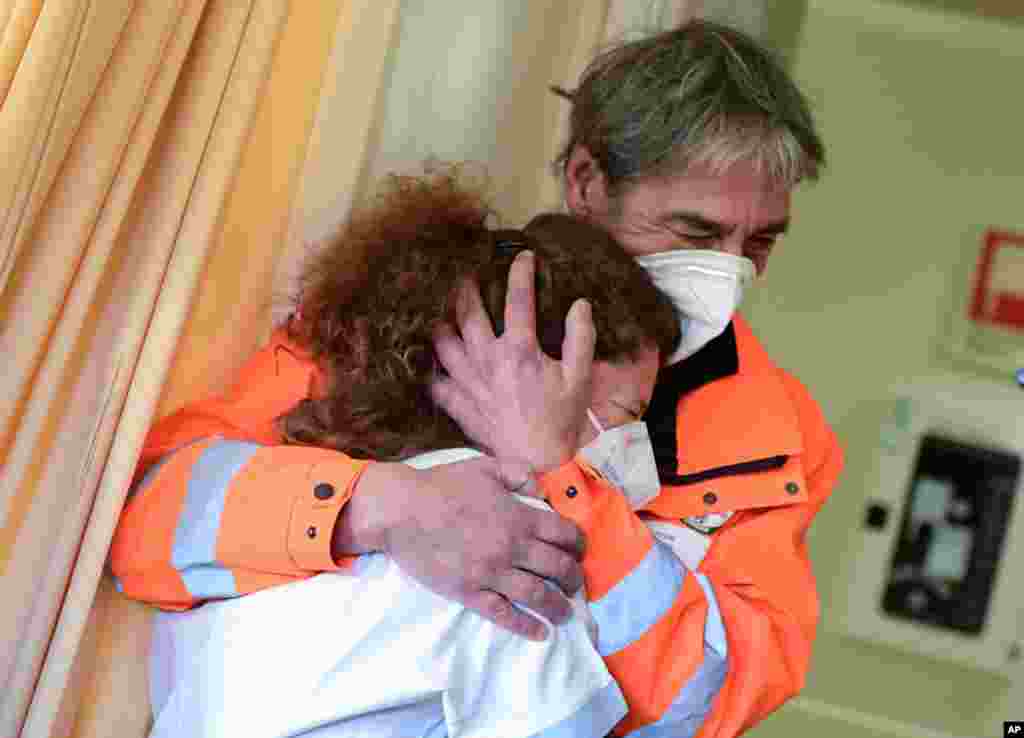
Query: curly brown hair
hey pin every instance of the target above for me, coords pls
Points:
(372, 298)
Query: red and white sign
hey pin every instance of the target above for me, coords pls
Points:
(999, 282)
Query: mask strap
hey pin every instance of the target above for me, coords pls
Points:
(594, 420)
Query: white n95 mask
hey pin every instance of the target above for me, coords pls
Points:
(625, 457)
(705, 286)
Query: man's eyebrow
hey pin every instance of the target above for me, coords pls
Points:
(683, 217)
(699, 222)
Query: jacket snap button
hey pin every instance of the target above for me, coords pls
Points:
(571, 492)
(323, 491)
(311, 531)
(792, 488)
(710, 498)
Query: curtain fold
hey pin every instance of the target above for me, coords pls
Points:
(30, 114)
(206, 137)
(345, 132)
(17, 19)
(225, 320)
(73, 237)
(230, 315)
(112, 206)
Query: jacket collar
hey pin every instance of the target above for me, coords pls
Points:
(718, 359)
(732, 392)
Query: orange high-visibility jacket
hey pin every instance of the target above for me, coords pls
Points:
(732, 432)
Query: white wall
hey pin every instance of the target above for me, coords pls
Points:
(924, 115)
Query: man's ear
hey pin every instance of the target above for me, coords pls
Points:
(586, 186)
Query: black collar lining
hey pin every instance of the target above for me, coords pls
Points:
(745, 467)
(718, 359)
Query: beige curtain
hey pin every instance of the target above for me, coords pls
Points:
(166, 163)
(121, 132)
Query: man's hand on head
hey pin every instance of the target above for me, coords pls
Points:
(456, 530)
(505, 392)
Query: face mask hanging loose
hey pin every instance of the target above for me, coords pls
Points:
(625, 457)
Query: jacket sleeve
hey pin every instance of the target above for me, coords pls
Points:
(710, 652)
(760, 571)
(217, 509)
(222, 518)
(658, 626)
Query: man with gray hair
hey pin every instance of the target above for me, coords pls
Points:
(686, 146)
